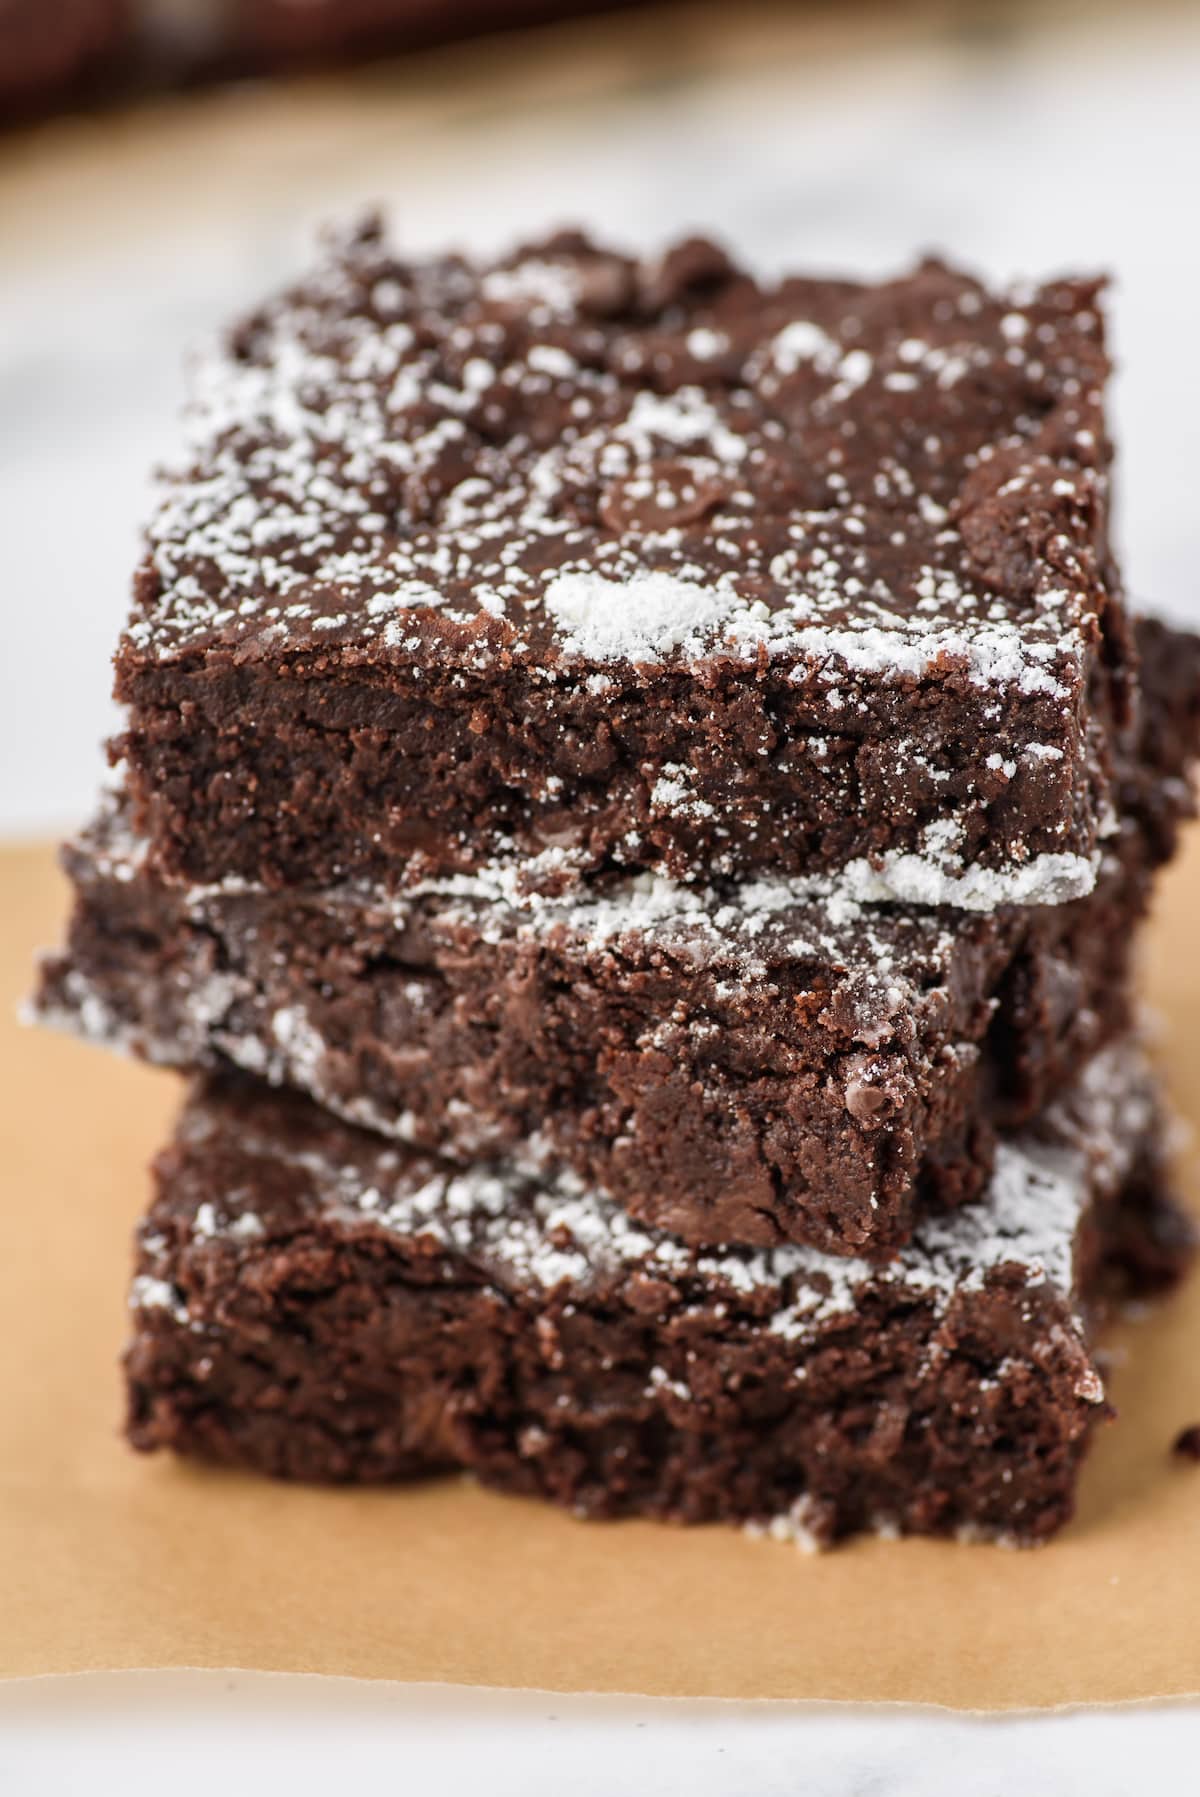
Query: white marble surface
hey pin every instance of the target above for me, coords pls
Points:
(1044, 147)
(142, 1734)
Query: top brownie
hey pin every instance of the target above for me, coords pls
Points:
(593, 563)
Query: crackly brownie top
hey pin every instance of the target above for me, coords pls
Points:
(574, 460)
(265, 1166)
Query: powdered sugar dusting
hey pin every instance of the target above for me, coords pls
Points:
(524, 460)
(642, 619)
(553, 1233)
(879, 981)
(820, 918)
(936, 874)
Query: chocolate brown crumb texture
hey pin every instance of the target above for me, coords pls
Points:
(750, 1065)
(314, 1303)
(588, 563)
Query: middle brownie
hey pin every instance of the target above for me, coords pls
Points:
(772, 1062)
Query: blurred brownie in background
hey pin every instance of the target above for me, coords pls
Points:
(55, 50)
(55, 53)
(275, 32)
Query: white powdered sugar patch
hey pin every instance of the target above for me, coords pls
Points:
(644, 618)
(799, 1526)
(244, 1227)
(803, 341)
(549, 289)
(936, 874)
(301, 1046)
(993, 653)
(794, 1525)
(818, 918)
(148, 1293)
(685, 418)
(822, 916)
(650, 904)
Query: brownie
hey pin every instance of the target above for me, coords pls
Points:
(312, 1303)
(56, 53)
(279, 33)
(600, 564)
(50, 49)
(771, 1061)
(761, 1069)
(212, 40)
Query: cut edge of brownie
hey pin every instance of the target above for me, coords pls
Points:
(315, 1305)
(231, 778)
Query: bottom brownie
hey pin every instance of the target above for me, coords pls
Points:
(318, 1304)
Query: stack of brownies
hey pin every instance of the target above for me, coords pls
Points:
(638, 790)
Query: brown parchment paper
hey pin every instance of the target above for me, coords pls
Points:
(110, 1560)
